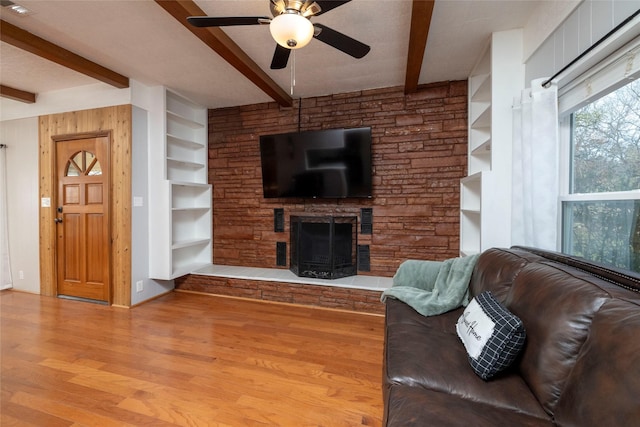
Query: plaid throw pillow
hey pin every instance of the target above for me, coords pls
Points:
(492, 336)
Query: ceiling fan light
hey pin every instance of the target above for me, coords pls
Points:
(291, 30)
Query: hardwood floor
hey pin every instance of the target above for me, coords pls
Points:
(187, 360)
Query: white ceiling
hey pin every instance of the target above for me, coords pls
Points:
(139, 39)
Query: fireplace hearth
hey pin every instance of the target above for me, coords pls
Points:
(323, 247)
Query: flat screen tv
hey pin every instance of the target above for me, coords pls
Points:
(332, 163)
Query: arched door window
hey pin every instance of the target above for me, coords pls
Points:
(83, 163)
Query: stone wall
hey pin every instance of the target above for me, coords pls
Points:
(419, 151)
(362, 300)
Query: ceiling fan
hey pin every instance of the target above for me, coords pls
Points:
(291, 27)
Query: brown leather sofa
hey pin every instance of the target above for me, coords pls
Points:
(580, 365)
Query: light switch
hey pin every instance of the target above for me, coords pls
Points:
(137, 201)
(45, 202)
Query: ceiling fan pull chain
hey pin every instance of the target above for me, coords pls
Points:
(293, 71)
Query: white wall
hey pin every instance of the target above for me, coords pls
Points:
(21, 138)
(62, 101)
(142, 122)
(584, 26)
(544, 20)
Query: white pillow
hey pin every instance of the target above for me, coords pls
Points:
(474, 328)
(491, 334)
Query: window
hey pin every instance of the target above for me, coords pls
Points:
(605, 145)
(601, 213)
(83, 163)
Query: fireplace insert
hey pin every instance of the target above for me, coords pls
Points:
(323, 247)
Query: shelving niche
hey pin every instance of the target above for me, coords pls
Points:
(190, 226)
(485, 194)
(470, 202)
(479, 158)
(181, 236)
(186, 140)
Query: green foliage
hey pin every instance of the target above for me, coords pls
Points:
(606, 136)
(604, 231)
(606, 158)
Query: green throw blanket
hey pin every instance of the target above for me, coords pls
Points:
(433, 287)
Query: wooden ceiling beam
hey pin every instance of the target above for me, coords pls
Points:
(17, 94)
(222, 44)
(421, 12)
(29, 42)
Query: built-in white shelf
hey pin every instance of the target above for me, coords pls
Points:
(177, 141)
(480, 86)
(185, 139)
(471, 193)
(485, 194)
(181, 215)
(481, 115)
(480, 141)
(173, 162)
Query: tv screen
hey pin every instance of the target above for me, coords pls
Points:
(332, 163)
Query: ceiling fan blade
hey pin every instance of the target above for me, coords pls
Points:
(340, 41)
(280, 57)
(327, 5)
(211, 21)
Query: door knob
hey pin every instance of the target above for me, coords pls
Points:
(58, 220)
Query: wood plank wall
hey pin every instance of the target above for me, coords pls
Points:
(116, 120)
(419, 156)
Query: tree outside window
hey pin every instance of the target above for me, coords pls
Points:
(602, 222)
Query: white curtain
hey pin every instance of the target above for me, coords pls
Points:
(535, 167)
(5, 266)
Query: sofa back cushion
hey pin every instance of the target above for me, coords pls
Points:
(496, 269)
(603, 389)
(557, 309)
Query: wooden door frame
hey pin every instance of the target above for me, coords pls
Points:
(117, 121)
(55, 199)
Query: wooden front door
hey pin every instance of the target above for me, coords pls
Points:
(82, 217)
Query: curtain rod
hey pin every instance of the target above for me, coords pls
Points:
(547, 82)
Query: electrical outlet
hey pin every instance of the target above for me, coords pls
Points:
(139, 286)
(21, 274)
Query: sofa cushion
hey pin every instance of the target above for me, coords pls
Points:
(602, 389)
(426, 353)
(492, 336)
(412, 406)
(398, 312)
(557, 309)
(496, 269)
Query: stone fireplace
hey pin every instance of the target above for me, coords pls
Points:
(323, 247)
